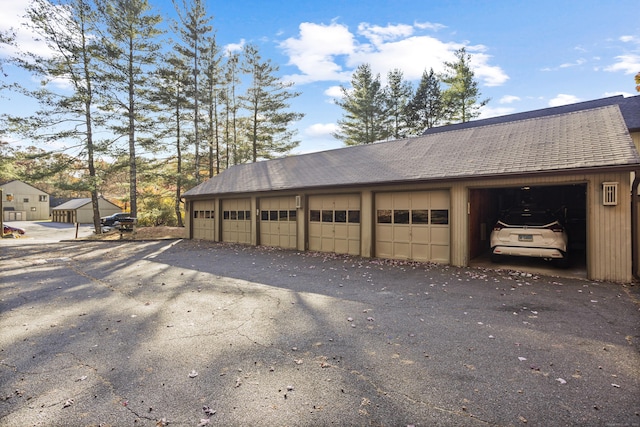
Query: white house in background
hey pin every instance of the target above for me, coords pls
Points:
(23, 202)
(80, 210)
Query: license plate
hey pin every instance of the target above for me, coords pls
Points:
(525, 237)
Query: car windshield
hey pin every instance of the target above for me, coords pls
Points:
(527, 217)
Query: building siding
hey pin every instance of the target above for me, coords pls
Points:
(608, 228)
(25, 198)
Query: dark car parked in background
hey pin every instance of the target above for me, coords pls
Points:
(109, 221)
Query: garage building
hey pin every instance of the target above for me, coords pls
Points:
(81, 210)
(436, 197)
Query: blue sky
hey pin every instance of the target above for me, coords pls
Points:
(525, 54)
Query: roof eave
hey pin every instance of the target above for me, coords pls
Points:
(433, 180)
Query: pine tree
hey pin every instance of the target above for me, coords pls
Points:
(461, 97)
(398, 93)
(266, 100)
(7, 38)
(193, 31)
(68, 115)
(364, 119)
(130, 51)
(426, 108)
(169, 96)
(212, 88)
(230, 101)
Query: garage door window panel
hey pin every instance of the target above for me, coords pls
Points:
(420, 217)
(384, 216)
(401, 216)
(340, 216)
(440, 217)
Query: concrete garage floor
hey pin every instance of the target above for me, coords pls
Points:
(577, 269)
(153, 333)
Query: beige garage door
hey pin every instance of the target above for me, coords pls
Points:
(334, 224)
(236, 221)
(413, 225)
(202, 218)
(278, 222)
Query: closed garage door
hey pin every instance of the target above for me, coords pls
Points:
(413, 225)
(334, 223)
(278, 222)
(203, 219)
(236, 221)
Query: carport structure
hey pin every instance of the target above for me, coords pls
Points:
(436, 197)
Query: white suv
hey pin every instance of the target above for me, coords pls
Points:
(530, 232)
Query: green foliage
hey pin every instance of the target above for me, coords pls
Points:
(193, 33)
(461, 98)
(68, 114)
(397, 95)
(364, 119)
(426, 109)
(266, 100)
(373, 113)
(157, 211)
(128, 50)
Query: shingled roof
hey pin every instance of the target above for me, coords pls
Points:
(580, 140)
(629, 106)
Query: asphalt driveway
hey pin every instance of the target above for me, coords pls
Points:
(187, 333)
(47, 231)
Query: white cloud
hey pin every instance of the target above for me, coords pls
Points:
(429, 26)
(334, 92)
(12, 20)
(314, 52)
(488, 112)
(508, 99)
(320, 130)
(629, 64)
(491, 74)
(331, 53)
(625, 94)
(378, 35)
(573, 64)
(406, 55)
(234, 47)
(629, 39)
(563, 99)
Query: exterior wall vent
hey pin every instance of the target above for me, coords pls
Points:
(609, 193)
